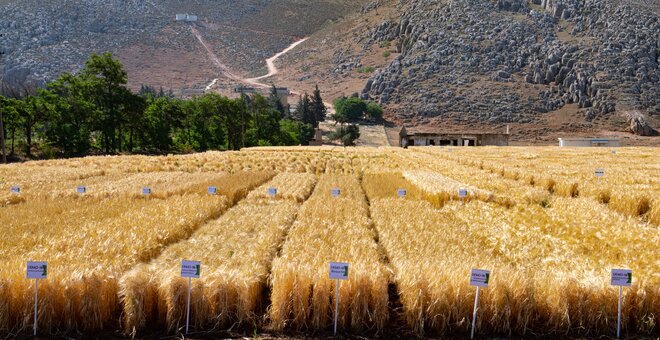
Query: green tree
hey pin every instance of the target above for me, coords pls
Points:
(70, 128)
(318, 107)
(349, 109)
(161, 117)
(346, 134)
(373, 110)
(106, 80)
(275, 101)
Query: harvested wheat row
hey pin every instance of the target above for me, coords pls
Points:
(289, 186)
(540, 279)
(117, 233)
(82, 294)
(234, 273)
(330, 229)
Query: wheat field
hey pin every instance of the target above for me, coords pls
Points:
(539, 218)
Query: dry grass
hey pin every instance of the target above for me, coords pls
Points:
(330, 229)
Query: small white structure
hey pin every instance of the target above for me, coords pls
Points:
(186, 17)
(588, 142)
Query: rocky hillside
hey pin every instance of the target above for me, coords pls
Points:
(41, 39)
(548, 66)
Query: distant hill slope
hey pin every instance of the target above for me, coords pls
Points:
(41, 38)
(545, 66)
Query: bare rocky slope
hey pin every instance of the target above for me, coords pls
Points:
(41, 39)
(548, 67)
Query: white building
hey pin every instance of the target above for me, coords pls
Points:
(588, 142)
(186, 17)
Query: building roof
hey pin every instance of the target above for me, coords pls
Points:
(434, 131)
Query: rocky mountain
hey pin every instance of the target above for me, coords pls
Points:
(457, 56)
(547, 66)
(40, 39)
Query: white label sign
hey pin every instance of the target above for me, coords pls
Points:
(37, 270)
(600, 172)
(613, 151)
(191, 269)
(621, 277)
(336, 192)
(81, 189)
(213, 190)
(462, 193)
(339, 270)
(401, 192)
(15, 190)
(479, 277)
(146, 191)
(272, 192)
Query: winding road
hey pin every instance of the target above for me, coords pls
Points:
(270, 63)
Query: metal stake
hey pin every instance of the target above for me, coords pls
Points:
(336, 303)
(618, 322)
(188, 306)
(36, 298)
(474, 313)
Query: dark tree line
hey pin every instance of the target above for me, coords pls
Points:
(93, 112)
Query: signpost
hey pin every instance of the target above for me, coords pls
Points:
(620, 277)
(81, 189)
(272, 192)
(336, 192)
(36, 271)
(462, 194)
(338, 272)
(478, 278)
(599, 173)
(401, 193)
(190, 269)
(213, 190)
(15, 190)
(614, 151)
(146, 191)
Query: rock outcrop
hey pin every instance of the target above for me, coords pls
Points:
(513, 60)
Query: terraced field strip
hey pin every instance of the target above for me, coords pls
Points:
(630, 185)
(90, 244)
(330, 229)
(483, 185)
(236, 252)
(544, 274)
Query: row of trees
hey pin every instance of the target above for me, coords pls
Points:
(94, 112)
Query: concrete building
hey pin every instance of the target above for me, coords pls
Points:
(186, 17)
(441, 138)
(589, 142)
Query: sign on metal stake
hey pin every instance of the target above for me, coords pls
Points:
(620, 277)
(81, 189)
(15, 190)
(401, 193)
(190, 269)
(478, 278)
(338, 272)
(213, 191)
(336, 192)
(146, 191)
(36, 271)
(272, 192)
